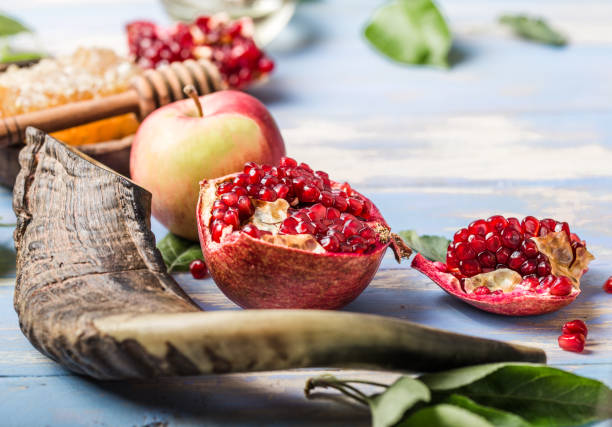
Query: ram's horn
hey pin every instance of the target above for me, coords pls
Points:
(93, 294)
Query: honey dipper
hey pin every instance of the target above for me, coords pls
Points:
(150, 90)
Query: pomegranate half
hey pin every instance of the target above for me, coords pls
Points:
(506, 266)
(288, 237)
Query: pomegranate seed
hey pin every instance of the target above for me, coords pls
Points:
(251, 230)
(487, 259)
(248, 166)
(451, 259)
(561, 287)
(355, 206)
(281, 190)
(482, 290)
(231, 217)
(325, 177)
(310, 194)
(548, 224)
(514, 224)
(547, 281)
(367, 233)
(543, 268)
(267, 194)
(287, 162)
(530, 225)
(330, 243)
(528, 267)
(572, 342)
(239, 191)
(298, 183)
(289, 226)
(492, 242)
(253, 190)
(461, 235)
(511, 238)
(469, 267)
(305, 167)
(269, 181)
(530, 282)
(225, 187)
(351, 227)
(254, 175)
(464, 251)
(218, 213)
(576, 326)
(333, 213)
(217, 230)
(317, 212)
(477, 242)
(230, 199)
(326, 198)
(478, 227)
(529, 248)
(340, 203)
(305, 227)
(245, 207)
(516, 260)
(608, 285)
(198, 269)
(218, 204)
(502, 255)
(241, 180)
(563, 226)
(496, 223)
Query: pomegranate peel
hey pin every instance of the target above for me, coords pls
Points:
(291, 251)
(513, 268)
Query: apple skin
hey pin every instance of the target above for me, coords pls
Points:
(174, 149)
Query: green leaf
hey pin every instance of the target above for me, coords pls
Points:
(390, 406)
(431, 247)
(178, 252)
(8, 55)
(444, 415)
(534, 29)
(10, 26)
(410, 31)
(541, 395)
(494, 416)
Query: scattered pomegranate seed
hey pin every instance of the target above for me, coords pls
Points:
(198, 269)
(576, 326)
(572, 342)
(608, 285)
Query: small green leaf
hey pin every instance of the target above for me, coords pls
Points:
(494, 416)
(541, 395)
(178, 252)
(10, 56)
(390, 406)
(410, 31)
(431, 247)
(10, 26)
(534, 29)
(444, 415)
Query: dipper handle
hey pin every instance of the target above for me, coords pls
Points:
(150, 90)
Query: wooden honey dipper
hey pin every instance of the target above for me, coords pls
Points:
(150, 90)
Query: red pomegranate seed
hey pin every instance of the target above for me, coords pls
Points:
(576, 326)
(563, 226)
(529, 248)
(351, 227)
(511, 238)
(310, 194)
(572, 342)
(218, 213)
(461, 235)
(254, 175)
(240, 191)
(217, 230)
(355, 206)
(269, 181)
(225, 187)
(493, 241)
(477, 242)
(289, 226)
(530, 282)
(464, 251)
(330, 243)
(245, 207)
(305, 167)
(544, 268)
(305, 227)
(251, 230)
(281, 190)
(547, 281)
(478, 227)
(470, 267)
(287, 162)
(298, 183)
(198, 269)
(326, 198)
(530, 225)
(218, 204)
(253, 189)
(267, 194)
(230, 199)
(496, 223)
(516, 260)
(250, 165)
(548, 224)
(529, 267)
(503, 254)
(482, 290)
(340, 202)
(367, 233)
(561, 287)
(514, 224)
(487, 259)
(451, 259)
(333, 213)
(608, 285)
(231, 217)
(241, 180)
(317, 212)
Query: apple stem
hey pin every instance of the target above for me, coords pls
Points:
(191, 92)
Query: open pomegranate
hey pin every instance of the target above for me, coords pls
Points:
(228, 44)
(512, 267)
(288, 237)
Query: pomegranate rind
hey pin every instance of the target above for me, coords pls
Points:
(516, 303)
(255, 273)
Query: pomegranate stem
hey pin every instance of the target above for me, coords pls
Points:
(191, 92)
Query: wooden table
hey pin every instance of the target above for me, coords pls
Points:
(513, 128)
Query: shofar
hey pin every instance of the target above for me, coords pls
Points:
(93, 294)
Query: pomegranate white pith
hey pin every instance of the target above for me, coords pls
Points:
(288, 237)
(512, 267)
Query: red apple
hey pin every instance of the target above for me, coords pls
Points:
(175, 148)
